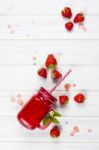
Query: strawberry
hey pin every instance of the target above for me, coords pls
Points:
(42, 73)
(79, 18)
(79, 98)
(69, 26)
(63, 99)
(66, 12)
(51, 61)
(56, 74)
(55, 132)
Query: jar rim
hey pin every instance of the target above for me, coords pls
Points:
(47, 94)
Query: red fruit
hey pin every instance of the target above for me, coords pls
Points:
(79, 98)
(79, 18)
(51, 61)
(69, 26)
(42, 73)
(55, 132)
(66, 12)
(56, 74)
(63, 99)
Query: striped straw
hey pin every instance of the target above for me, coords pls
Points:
(59, 82)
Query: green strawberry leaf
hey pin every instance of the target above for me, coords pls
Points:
(56, 114)
(46, 120)
(54, 120)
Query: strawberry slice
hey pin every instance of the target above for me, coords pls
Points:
(51, 62)
(63, 99)
(42, 73)
(56, 74)
(55, 132)
(79, 98)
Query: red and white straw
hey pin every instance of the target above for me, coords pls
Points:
(59, 82)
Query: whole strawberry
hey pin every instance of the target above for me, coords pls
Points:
(69, 26)
(63, 99)
(56, 74)
(42, 73)
(55, 132)
(79, 98)
(51, 61)
(79, 18)
(66, 12)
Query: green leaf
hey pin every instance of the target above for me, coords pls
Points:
(54, 120)
(46, 120)
(56, 114)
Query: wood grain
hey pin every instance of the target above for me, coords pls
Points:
(42, 27)
(29, 29)
(67, 52)
(90, 108)
(47, 7)
(15, 133)
(37, 146)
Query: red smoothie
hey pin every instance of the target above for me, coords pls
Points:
(36, 109)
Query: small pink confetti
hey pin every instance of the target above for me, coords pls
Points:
(19, 96)
(20, 101)
(12, 32)
(89, 130)
(13, 99)
(72, 134)
(9, 26)
(67, 86)
(75, 129)
(74, 85)
(34, 58)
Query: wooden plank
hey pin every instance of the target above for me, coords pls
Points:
(67, 52)
(89, 108)
(37, 146)
(29, 46)
(47, 6)
(42, 27)
(25, 77)
(66, 56)
(27, 29)
(12, 131)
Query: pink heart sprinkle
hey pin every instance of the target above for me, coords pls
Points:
(72, 134)
(67, 86)
(75, 129)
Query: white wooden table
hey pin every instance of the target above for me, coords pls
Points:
(32, 29)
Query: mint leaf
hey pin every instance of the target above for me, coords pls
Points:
(46, 120)
(54, 120)
(56, 114)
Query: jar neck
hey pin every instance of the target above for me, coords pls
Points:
(47, 95)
